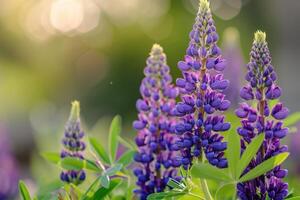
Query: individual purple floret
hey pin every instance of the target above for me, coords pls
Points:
(201, 92)
(156, 157)
(73, 146)
(262, 119)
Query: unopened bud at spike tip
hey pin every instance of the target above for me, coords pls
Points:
(156, 50)
(259, 37)
(204, 6)
(75, 111)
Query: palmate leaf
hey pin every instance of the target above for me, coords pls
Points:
(175, 184)
(249, 154)
(51, 157)
(113, 170)
(103, 192)
(207, 171)
(264, 167)
(105, 181)
(114, 132)
(73, 163)
(24, 191)
(293, 198)
(99, 150)
(233, 152)
(163, 195)
(105, 177)
(292, 119)
(126, 158)
(91, 190)
(226, 191)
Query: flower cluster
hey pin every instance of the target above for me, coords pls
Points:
(156, 158)
(201, 91)
(73, 145)
(262, 119)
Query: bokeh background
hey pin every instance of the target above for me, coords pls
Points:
(55, 51)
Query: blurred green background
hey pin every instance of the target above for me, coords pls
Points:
(55, 51)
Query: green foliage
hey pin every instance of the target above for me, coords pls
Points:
(126, 158)
(249, 154)
(233, 152)
(292, 119)
(207, 171)
(99, 150)
(226, 191)
(52, 157)
(102, 193)
(114, 132)
(24, 191)
(107, 167)
(264, 167)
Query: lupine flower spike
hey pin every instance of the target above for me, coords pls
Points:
(156, 159)
(201, 92)
(73, 146)
(260, 90)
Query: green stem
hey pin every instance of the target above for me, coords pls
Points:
(195, 195)
(205, 189)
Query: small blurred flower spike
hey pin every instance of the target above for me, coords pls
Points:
(263, 119)
(73, 146)
(201, 92)
(156, 156)
(235, 62)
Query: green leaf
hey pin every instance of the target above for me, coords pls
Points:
(105, 181)
(113, 170)
(99, 150)
(24, 191)
(72, 163)
(162, 195)
(233, 152)
(127, 143)
(91, 190)
(114, 132)
(292, 119)
(207, 171)
(175, 184)
(52, 157)
(293, 198)
(103, 192)
(226, 191)
(91, 165)
(264, 167)
(47, 188)
(126, 158)
(249, 154)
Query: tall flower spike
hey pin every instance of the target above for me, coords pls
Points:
(156, 157)
(73, 146)
(201, 92)
(262, 119)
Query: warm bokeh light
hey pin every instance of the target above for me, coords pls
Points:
(66, 15)
(226, 9)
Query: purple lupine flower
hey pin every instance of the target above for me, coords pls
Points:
(233, 54)
(262, 119)
(157, 158)
(9, 171)
(73, 146)
(201, 92)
